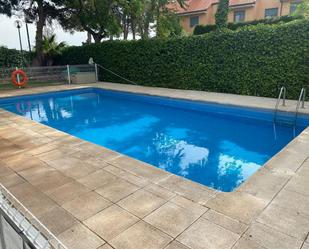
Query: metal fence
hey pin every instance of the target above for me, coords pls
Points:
(19, 228)
(48, 75)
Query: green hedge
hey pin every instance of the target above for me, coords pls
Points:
(13, 57)
(203, 29)
(254, 60)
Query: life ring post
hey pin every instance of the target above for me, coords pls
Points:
(15, 77)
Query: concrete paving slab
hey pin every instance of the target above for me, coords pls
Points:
(86, 205)
(141, 235)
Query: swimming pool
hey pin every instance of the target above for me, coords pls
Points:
(216, 145)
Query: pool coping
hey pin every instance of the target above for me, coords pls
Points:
(248, 206)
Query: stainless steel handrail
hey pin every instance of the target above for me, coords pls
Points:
(301, 99)
(282, 91)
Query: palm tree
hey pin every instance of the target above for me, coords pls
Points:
(51, 49)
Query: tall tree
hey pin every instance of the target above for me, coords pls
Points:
(38, 11)
(222, 14)
(155, 12)
(98, 17)
(168, 25)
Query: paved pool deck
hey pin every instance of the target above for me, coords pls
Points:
(94, 198)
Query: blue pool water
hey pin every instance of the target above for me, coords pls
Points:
(215, 145)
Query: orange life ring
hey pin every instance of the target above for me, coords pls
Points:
(21, 82)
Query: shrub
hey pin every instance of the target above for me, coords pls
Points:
(222, 14)
(254, 60)
(13, 57)
(203, 29)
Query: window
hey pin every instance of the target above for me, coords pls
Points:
(269, 13)
(293, 7)
(194, 20)
(239, 15)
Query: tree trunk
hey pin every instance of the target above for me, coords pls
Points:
(39, 35)
(97, 38)
(133, 29)
(125, 28)
(88, 38)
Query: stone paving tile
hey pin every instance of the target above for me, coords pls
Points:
(240, 206)
(51, 181)
(110, 222)
(188, 204)
(139, 168)
(246, 243)
(51, 155)
(96, 150)
(4, 170)
(105, 246)
(96, 161)
(271, 238)
(138, 181)
(11, 180)
(116, 190)
(22, 162)
(97, 179)
(264, 184)
(37, 202)
(141, 203)
(176, 245)
(57, 220)
(79, 171)
(36, 172)
(42, 149)
(205, 234)
(159, 191)
(288, 221)
(304, 170)
(80, 237)
(67, 192)
(287, 159)
(293, 201)
(305, 246)
(66, 162)
(86, 205)
(299, 184)
(10, 151)
(225, 221)
(141, 235)
(188, 189)
(171, 219)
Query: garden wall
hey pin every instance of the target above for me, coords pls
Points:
(253, 60)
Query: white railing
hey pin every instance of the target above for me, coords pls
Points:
(25, 223)
(48, 74)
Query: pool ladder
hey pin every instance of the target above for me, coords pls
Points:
(300, 103)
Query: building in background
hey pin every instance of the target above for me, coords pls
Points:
(203, 11)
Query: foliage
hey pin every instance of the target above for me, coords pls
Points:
(51, 49)
(169, 25)
(98, 17)
(202, 29)
(39, 11)
(222, 14)
(13, 57)
(254, 60)
(302, 9)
